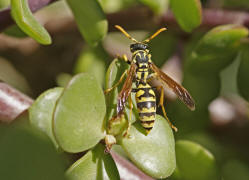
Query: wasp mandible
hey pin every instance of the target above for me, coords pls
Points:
(142, 70)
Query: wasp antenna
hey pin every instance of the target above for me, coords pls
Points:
(155, 34)
(125, 33)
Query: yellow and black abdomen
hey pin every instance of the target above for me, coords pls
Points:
(146, 105)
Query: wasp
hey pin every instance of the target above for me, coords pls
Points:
(142, 70)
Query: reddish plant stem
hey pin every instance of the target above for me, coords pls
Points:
(12, 103)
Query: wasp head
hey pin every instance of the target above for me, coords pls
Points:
(138, 46)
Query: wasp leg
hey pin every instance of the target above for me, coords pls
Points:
(129, 121)
(160, 88)
(120, 80)
(124, 58)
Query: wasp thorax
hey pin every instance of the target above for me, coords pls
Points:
(138, 46)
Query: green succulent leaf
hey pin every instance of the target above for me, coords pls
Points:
(216, 49)
(15, 31)
(25, 20)
(157, 6)
(194, 162)
(160, 55)
(62, 79)
(243, 73)
(188, 13)
(111, 6)
(197, 85)
(234, 169)
(41, 111)
(113, 74)
(79, 114)
(4, 3)
(95, 164)
(26, 154)
(92, 60)
(155, 153)
(90, 19)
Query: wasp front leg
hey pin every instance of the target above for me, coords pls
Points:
(124, 58)
(120, 80)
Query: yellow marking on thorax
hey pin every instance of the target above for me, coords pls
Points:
(144, 86)
(145, 99)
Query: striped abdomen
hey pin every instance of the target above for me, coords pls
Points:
(146, 105)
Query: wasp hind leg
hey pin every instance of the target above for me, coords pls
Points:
(161, 102)
(126, 134)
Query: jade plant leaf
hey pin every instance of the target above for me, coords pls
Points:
(155, 153)
(15, 31)
(194, 162)
(113, 74)
(216, 49)
(234, 169)
(41, 111)
(188, 13)
(92, 60)
(25, 20)
(157, 6)
(243, 73)
(90, 19)
(95, 164)
(26, 154)
(197, 85)
(79, 114)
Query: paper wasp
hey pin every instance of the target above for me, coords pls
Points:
(142, 70)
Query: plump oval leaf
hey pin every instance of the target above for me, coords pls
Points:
(62, 79)
(90, 19)
(25, 20)
(41, 111)
(15, 31)
(26, 154)
(168, 42)
(216, 49)
(79, 114)
(155, 153)
(235, 168)
(204, 89)
(243, 73)
(195, 162)
(95, 164)
(92, 60)
(113, 75)
(157, 6)
(4, 3)
(188, 13)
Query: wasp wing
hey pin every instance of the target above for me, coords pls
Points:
(126, 89)
(180, 91)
